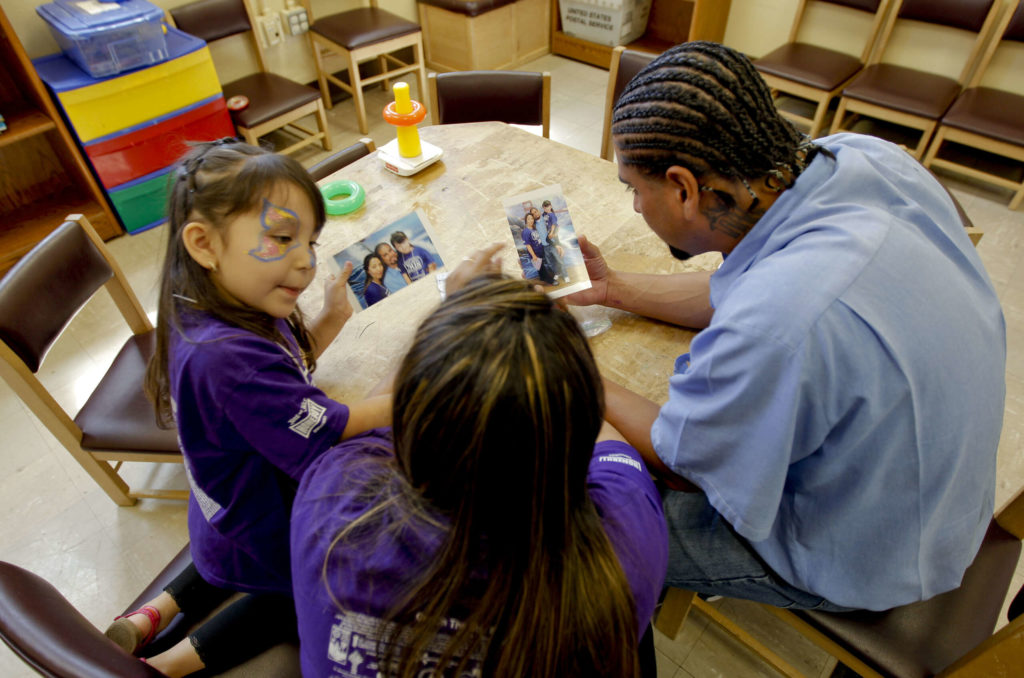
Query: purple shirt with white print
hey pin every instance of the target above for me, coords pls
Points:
(365, 577)
(250, 422)
(415, 263)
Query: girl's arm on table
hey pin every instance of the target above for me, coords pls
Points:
(632, 416)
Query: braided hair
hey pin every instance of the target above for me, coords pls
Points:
(703, 106)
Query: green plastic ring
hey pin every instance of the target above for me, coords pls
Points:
(353, 200)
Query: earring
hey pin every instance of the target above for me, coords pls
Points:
(212, 267)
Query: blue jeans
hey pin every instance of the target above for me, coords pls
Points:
(705, 555)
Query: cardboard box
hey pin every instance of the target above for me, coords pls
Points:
(607, 22)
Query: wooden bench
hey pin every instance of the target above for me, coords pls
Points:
(466, 35)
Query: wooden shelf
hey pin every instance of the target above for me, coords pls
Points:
(670, 23)
(43, 176)
(23, 121)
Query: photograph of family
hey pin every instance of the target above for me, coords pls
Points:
(546, 240)
(389, 259)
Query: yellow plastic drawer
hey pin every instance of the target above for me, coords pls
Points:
(115, 104)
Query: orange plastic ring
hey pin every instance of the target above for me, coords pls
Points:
(405, 119)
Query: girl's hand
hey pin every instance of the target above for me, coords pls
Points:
(537, 263)
(336, 301)
(598, 271)
(481, 262)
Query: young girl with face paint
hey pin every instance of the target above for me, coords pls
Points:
(231, 371)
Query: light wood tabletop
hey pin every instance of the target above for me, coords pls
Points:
(461, 196)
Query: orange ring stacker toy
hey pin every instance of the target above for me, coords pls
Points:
(406, 155)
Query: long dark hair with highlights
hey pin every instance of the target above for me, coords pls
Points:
(703, 106)
(497, 408)
(213, 183)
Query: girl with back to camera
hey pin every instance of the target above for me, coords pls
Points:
(232, 371)
(499, 529)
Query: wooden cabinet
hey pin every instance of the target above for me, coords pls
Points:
(43, 177)
(671, 22)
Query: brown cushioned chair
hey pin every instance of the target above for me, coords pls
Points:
(625, 64)
(948, 635)
(518, 97)
(359, 35)
(345, 156)
(52, 637)
(38, 299)
(811, 71)
(275, 102)
(910, 96)
(987, 118)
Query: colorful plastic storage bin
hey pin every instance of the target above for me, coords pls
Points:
(154, 145)
(99, 108)
(105, 37)
(142, 203)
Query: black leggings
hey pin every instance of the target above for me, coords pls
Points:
(245, 628)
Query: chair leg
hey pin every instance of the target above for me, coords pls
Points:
(321, 74)
(382, 63)
(837, 122)
(819, 118)
(674, 608)
(926, 136)
(421, 74)
(1017, 199)
(249, 137)
(933, 150)
(108, 480)
(321, 118)
(357, 94)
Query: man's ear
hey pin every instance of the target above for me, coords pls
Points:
(682, 181)
(202, 243)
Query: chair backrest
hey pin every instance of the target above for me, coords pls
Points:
(625, 64)
(211, 20)
(972, 16)
(878, 8)
(1010, 28)
(50, 284)
(344, 157)
(51, 636)
(518, 97)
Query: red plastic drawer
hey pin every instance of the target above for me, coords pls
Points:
(153, 146)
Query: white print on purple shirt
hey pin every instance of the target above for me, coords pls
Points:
(622, 459)
(309, 419)
(352, 647)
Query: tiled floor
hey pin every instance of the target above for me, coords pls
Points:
(56, 522)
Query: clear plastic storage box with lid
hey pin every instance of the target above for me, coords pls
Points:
(106, 37)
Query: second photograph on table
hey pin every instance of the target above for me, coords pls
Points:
(546, 240)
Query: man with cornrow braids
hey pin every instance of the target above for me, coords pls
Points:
(831, 435)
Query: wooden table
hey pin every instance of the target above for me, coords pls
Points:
(461, 195)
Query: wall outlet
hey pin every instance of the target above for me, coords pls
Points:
(295, 20)
(270, 32)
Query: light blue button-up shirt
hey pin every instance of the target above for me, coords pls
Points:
(842, 410)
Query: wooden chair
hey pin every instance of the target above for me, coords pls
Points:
(51, 636)
(345, 156)
(358, 35)
(948, 635)
(810, 71)
(518, 97)
(275, 102)
(38, 298)
(910, 96)
(987, 118)
(625, 64)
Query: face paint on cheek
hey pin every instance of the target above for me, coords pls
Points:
(274, 217)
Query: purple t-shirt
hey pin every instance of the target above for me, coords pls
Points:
(249, 423)
(532, 238)
(342, 644)
(415, 263)
(374, 292)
